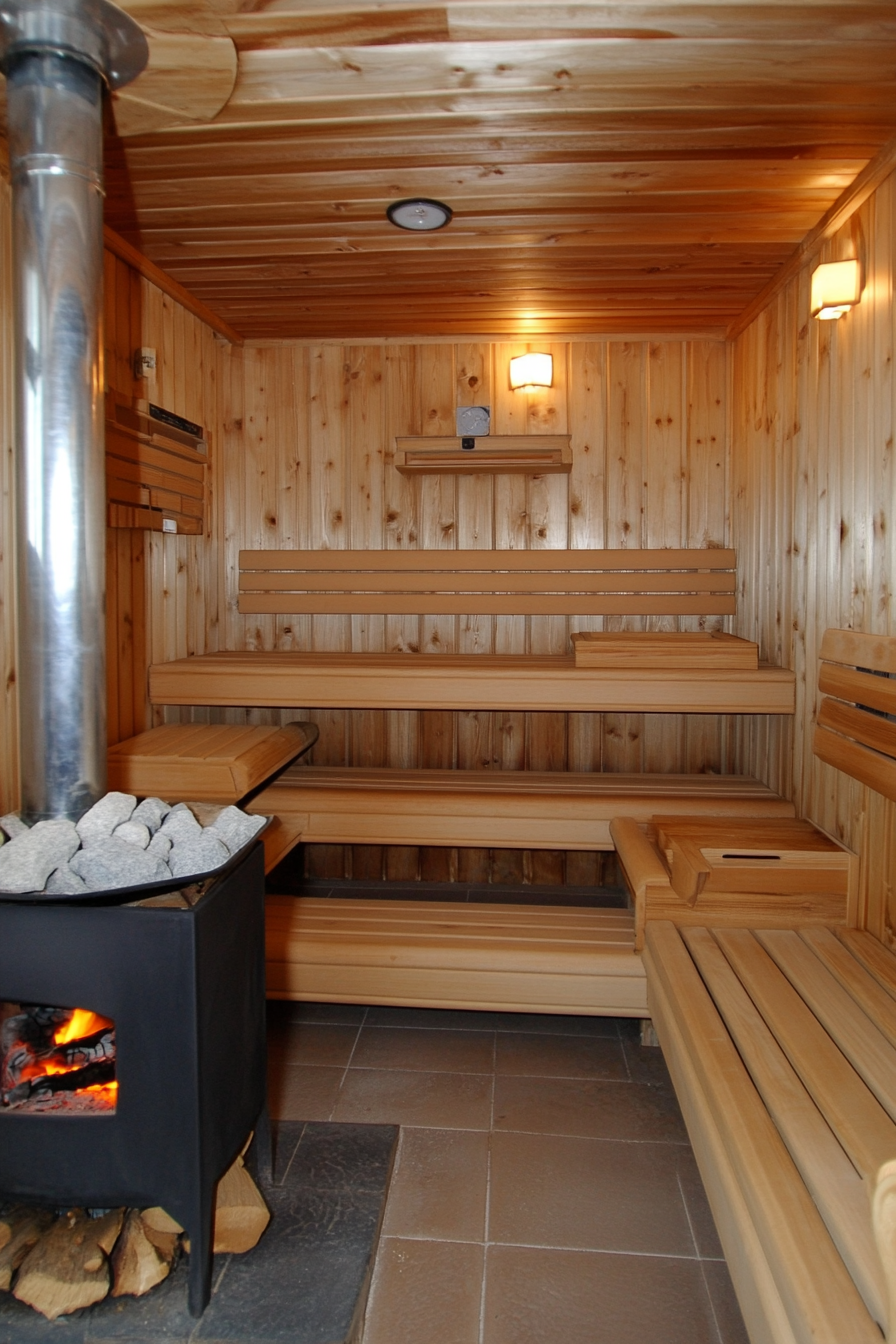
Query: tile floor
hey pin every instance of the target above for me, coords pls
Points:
(544, 1190)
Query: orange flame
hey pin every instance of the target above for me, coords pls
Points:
(82, 1023)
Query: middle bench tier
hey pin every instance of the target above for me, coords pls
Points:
(496, 809)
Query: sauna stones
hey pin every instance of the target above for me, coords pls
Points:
(111, 863)
(28, 859)
(120, 843)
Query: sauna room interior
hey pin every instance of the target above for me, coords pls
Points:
(645, 192)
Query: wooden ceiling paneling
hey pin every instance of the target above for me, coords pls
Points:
(611, 167)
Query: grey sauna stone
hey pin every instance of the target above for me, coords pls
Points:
(64, 881)
(180, 824)
(201, 855)
(114, 863)
(237, 828)
(160, 846)
(134, 832)
(13, 825)
(100, 821)
(28, 859)
(151, 812)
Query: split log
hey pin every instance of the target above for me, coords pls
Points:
(157, 1220)
(69, 1268)
(20, 1229)
(142, 1258)
(241, 1214)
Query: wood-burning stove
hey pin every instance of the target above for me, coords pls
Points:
(185, 990)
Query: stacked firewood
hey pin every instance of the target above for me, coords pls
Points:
(61, 1263)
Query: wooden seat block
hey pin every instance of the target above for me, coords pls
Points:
(698, 650)
(215, 763)
(445, 954)
(496, 808)
(767, 872)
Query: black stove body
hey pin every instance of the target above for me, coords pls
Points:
(185, 989)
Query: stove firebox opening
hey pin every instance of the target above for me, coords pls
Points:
(56, 1060)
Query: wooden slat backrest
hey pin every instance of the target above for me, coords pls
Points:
(489, 583)
(856, 728)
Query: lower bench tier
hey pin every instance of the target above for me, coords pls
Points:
(494, 809)
(444, 954)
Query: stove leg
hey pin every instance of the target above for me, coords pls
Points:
(264, 1151)
(200, 1281)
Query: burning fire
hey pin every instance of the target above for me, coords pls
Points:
(79, 1043)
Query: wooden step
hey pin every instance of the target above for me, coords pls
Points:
(203, 762)
(447, 954)
(509, 809)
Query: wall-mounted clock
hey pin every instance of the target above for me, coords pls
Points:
(472, 421)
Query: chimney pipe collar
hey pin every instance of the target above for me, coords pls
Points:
(95, 32)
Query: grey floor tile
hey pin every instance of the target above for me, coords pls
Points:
(344, 1014)
(702, 1222)
(587, 1194)
(302, 1092)
(442, 1051)
(438, 1190)
(527, 1054)
(558, 1024)
(340, 1157)
(729, 1320)
(588, 1108)
(538, 1296)
(425, 1292)
(326, 1043)
(409, 1097)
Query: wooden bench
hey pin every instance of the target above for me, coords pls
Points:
(497, 809)
(782, 1049)
(663, 583)
(440, 954)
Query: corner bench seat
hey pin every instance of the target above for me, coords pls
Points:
(510, 809)
(445, 954)
(782, 1049)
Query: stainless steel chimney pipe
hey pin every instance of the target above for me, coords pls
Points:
(56, 55)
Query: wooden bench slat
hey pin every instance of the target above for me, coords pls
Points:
(870, 729)
(868, 994)
(864, 688)
(426, 584)
(868, 767)
(858, 1038)
(872, 955)
(822, 1303)
(415, 561)
(365, 604)
(865, 1130)
(856, 649)
(830, 1177)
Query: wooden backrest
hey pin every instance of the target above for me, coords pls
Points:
(856, 729)
(488, 583)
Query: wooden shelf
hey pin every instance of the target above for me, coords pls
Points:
(531, 454)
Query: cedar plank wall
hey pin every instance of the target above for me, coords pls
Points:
(161, 591)
(306, 447)
(814, 511)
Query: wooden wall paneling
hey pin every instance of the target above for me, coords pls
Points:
(437, 513)
(828, 480)
(403, 405)
(587, 425)
(475, 732)
(623, 734)
(328, 491)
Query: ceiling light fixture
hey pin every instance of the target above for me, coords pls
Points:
(419, 214)
(836, 287)
(529, 373)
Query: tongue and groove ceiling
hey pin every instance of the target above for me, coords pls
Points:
(627, 167)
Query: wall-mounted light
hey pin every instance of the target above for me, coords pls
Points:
(530, 372)
(836, 287)
(419, 214)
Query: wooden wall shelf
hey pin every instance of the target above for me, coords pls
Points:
(155, 472)
(533, 454)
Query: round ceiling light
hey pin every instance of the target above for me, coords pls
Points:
(419, 214)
